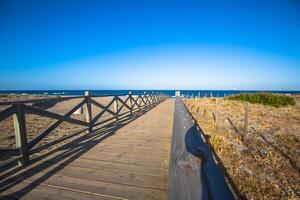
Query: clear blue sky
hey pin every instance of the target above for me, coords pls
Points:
(150, 44)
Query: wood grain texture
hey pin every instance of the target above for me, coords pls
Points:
(184, 169)
(122, 161)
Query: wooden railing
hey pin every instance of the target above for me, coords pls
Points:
(19, 109)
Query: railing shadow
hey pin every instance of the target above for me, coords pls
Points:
(212, 175)
(66, 154)
(212, 172)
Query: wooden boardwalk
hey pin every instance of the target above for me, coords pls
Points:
(128, 160)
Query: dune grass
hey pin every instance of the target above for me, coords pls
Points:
(275, 100)
(264, 164)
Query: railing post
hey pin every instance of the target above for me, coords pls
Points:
(116, 107)
(152, 98)
(130, 101)
(88, 110)
(144, 97)
(20, 135)
(246, 121)
(139, 101)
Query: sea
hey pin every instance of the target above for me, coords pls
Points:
(171, 93)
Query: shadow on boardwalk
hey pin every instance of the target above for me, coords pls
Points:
(67, 153)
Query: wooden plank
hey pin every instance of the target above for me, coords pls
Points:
(124, 103)
(193, 172)
(52, 115)
(184, 169)
(38, 100)
(135, 103)
(34, 191)
(246, 121)
(108, 166)
(102, 107)
(88, 111)
(55, 124)
(130, 164)
(103, 111)
(116, 177)
(7, 112)
(137, 160)
(95, 187)
(20, 135)
(9, 152)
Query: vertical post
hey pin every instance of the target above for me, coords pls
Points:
(20, 135)
(144, 97)
(217, 121)
(152, 98)
(139, 101)
(130, 101)
(116, 107)
(88, 110)
(246, 120)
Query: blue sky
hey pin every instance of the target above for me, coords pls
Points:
(150, 44)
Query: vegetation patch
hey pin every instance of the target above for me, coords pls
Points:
(269, 99)
(265, 164)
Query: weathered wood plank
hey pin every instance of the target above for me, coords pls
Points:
(124, 103)
(9, 152)
(184, 168)
(46, 191)
(7, 112)
(55, 124)
(116, 177)
(52, 115)
(20, 135)
(102, 107)
(193, 173)
(88, 111)
(130, 170)
(103, 111)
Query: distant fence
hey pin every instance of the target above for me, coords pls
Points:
(19, 109)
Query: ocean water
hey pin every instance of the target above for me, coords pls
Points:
(186, 93)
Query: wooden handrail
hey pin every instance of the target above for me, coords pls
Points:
(20, 108)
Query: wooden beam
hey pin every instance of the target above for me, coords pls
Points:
(246, 121)
(101, 106)
(7, 112)
(102, 112)
(20, 135)
(32, 110)
(29, 101)
(116, 107)
(124, 103)
(135, 103)
(130, 102)
(88, 110)
(9, 152)
(55, 124)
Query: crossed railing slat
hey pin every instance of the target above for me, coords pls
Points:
(19, 108)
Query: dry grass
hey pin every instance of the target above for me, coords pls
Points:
(266, 164)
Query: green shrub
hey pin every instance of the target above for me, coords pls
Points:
(270, 99)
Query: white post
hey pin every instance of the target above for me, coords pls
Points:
(116, 107)
(130, 101)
